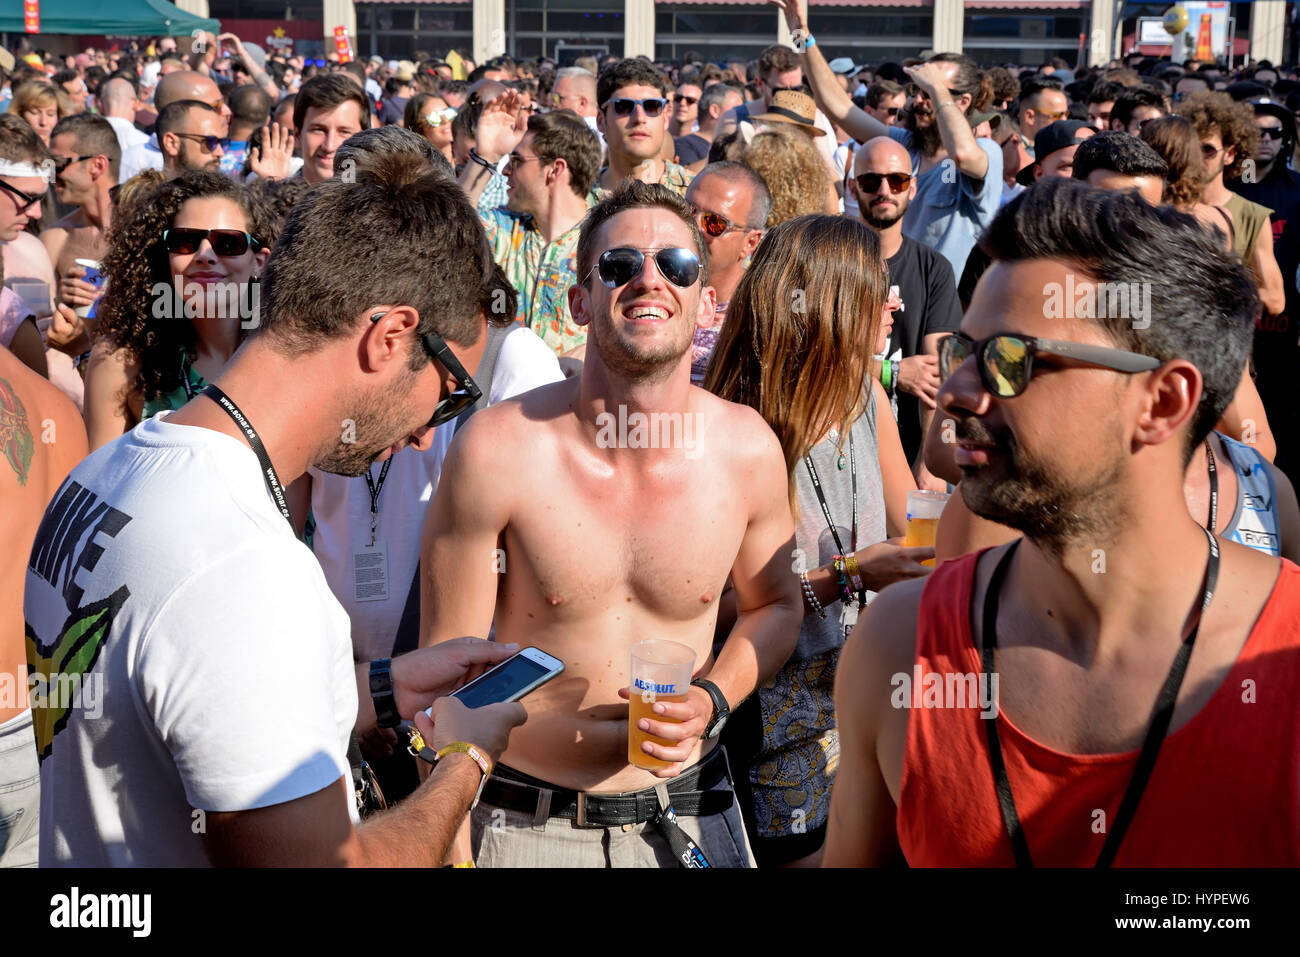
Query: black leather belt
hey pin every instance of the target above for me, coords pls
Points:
(515, 791)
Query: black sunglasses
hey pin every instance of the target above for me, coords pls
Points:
(1271, 133)
(64, 162)
(225, 242)
(26, 200)
(210, 142)
(913, 90)
(688, 100)
(619, 266)
(870, 182)
(624, 105)
(1006, 362)
(456, 403)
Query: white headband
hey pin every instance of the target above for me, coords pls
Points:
(10, 168)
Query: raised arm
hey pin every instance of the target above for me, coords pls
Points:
(950, 115)
(834, 101)
(494, 137)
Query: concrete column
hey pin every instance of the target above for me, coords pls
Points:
(1267, 23)
(1101, 32)
(639, 28)
(949, 26)
(489, 30)
(339, 13)
(197, 7)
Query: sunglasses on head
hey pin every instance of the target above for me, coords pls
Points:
(456, 403)
(624, 105)
(1006, 362)
(210, 142)
(619, 266)
(870, 182)
(224, 242)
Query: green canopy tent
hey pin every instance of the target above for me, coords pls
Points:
(118, 18)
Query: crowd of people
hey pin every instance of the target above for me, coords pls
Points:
(244, 291)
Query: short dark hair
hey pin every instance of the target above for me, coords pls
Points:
(64, 76)
(760, 203)
(1203, 301)
(564, 134)
(881, 89)
(173, 116)
(249, 104)
(1006, 87)
(778, 58)
(629, 72)
(361, 149)
(326, 92)
(1107, 91)
(1118, 152)
(634, 194)
(1134, 97)
(716, 93)
(337, 257)
(94, 136)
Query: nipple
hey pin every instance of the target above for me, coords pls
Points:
(554, 600)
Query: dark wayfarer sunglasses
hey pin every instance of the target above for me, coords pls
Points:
(225, 242)
(25, 200)
(870, 182)
(619, 266)
(456, 403)
(210, 142)
(1006, 362)
(63, 162)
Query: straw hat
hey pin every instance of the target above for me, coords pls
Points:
(793, 108)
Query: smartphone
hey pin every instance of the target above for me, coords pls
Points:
(509, 681)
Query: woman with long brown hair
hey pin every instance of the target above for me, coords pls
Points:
(1178, 144)
(430, 116)
(797, 346)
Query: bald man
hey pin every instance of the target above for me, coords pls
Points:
(42, 438)
(117, 104)
(883, 185)
(181, 85)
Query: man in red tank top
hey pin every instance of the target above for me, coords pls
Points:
(1143, 674)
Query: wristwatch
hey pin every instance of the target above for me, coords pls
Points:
(381, 692)
(721, 711)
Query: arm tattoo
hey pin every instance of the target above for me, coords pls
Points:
(15, 434)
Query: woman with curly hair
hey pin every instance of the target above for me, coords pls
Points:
(181, 286)
(806, 371)
(1175, 139)
(795, 172)
(430, 116)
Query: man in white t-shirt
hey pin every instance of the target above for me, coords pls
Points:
(199, 682)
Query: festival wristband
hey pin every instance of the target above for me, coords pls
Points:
(855, 573)
(886, 370)
(477, 756)
(893, 376)
(846, 593)
(487, 165)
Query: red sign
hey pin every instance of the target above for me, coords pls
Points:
(32, 16)
(342, 45)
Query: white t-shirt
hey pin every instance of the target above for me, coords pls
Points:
(139, 158)
(341, 507)
(216, 671)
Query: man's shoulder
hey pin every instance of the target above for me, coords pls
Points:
(928, 260)
(740, 430)
(510, 427)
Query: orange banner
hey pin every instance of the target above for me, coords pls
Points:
(32, 16)
(342, 45)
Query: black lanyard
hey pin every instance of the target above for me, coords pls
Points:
(1214, 485)
(1160, 720)
(268, 470)
(826, 511)
(375, 488)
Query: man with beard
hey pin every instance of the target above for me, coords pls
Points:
(958, 176)
(217, 684)
(535, 236)
(883, 186)
(1072, 629)
(592, 535)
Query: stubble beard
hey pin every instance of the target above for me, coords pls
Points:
(925, 138)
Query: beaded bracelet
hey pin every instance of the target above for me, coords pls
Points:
(811, 596)
(846, 593)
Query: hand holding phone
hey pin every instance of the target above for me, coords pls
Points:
(509, 681)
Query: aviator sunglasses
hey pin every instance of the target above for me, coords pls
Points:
(1006, 362)
(619, 266)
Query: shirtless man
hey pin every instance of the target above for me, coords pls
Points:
(42, 438)
(1086, 613)
(86, 159)
(609, 543)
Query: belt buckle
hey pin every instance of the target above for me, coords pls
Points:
(580, 820)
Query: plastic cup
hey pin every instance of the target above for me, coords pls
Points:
(95, 276)
(923, 511)
(661, 671)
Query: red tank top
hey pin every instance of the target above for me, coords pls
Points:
(1225, 791)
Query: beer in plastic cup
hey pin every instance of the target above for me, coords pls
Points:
(923, 511)
(95, 276)
(661, 671)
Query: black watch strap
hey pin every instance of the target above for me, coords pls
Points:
(721, 711)
(381, 691)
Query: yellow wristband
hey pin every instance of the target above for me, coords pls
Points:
(464, 864)
(855, 573)
(477, 756)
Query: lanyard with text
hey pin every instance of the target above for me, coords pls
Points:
(826, 511)
(1214, 485)
(268, 470)
(1162, 715)
(375, 488)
